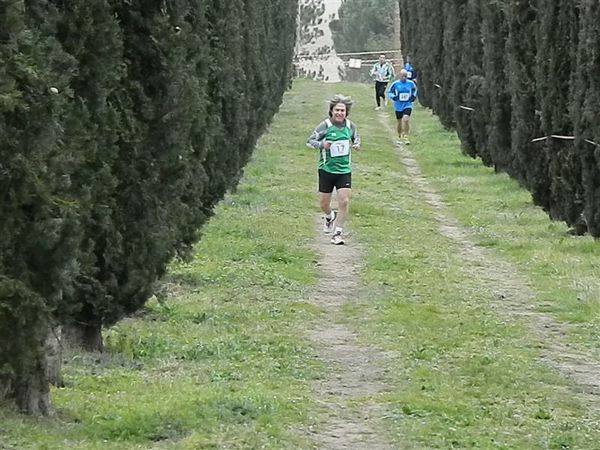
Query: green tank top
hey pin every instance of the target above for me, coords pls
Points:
(337, 158)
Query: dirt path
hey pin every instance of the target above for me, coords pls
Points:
(357, 372)
(512, 296)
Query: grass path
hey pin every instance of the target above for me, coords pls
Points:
(357, 371)
(457, 315)
(513, 295)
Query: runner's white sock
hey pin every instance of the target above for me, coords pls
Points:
(330, 215)
(338, 230)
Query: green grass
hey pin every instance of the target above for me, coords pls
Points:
(222, 361)
(562, 268)
(468, 378)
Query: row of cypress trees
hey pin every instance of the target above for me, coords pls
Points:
(121, 126)
(518, 80)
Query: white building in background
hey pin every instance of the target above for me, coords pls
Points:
(315, 52)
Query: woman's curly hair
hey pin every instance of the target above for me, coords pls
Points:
(339, 98)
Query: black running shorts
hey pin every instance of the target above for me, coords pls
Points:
(404, 112)
(327, 181)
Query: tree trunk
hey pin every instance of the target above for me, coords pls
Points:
(33, 394)
(54, 357)
(27, 384)
(83, 336)
(5, 388)
(31, 386)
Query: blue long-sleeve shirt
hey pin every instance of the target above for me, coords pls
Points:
(410, 70)
(403, 93)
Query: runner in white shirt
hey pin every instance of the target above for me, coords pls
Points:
(383, 72)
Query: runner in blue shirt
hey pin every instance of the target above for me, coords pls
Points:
(410, 70)
(403, 92)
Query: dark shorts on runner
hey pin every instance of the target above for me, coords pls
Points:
(327, 181)
(404, 112)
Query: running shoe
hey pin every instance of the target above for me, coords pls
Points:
(328, 223)
(337, 239)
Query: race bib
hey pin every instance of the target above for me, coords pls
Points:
(404, 96)
(340, 148)
(409, 74)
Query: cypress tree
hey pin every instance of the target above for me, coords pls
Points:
(409, 19)
(39, 226)
(283, 44)
(432, 83)
(156, 106)
(495, 33)
(528, 70)
(586, 110)
(258, 80)
(90, 33)
(110, 173)
(555, 73)
(412, 21)
(192, 109)
(452, 70)
(528, 163)
(225, 122)
(273, 49)
(471, 123)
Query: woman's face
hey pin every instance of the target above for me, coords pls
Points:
(338, 113)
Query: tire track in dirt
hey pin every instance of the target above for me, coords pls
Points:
(513, 297)
(357, 371)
